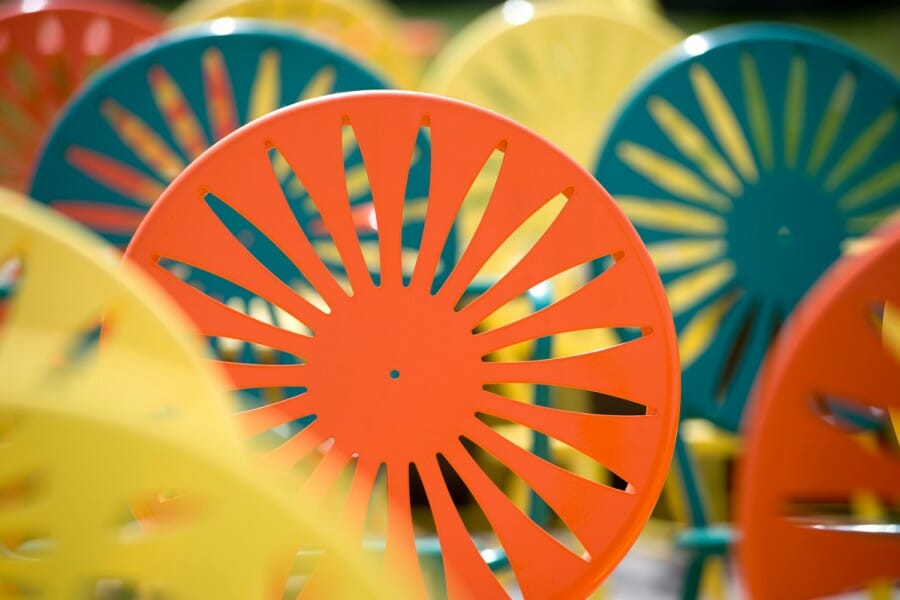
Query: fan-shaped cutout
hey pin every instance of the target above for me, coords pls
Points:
(263, 249)
(523, 238)
(475, 202)
(521, 435)
(11, 274)
(240, 301)
(416, 206)
(359, 191)
(82, 346)
(476, 522)
(520, 493)
(855, 418)
(736, 351)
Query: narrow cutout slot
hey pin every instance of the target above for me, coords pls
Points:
(263, 249)
(376, 516)
(11, 271)
(82, 347)
(736, 352)
(520, 241)
(548, 291)
(471, 210)
(561, 453)
(359, 192)
(418, 190)
(243, 301)
(521, 494)
(476, 522)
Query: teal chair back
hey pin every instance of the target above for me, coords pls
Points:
(747, 161)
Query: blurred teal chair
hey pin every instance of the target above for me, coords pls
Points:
(137, 125)
(747, 160)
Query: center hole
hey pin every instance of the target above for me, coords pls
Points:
(395, 374)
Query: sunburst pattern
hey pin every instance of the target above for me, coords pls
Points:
(368, 28)
(44, 56)
(746, 164)
(537, 63)
(106, 430)
(820, 490)
(133, 130)
(394, 372)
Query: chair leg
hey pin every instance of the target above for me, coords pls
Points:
(694, 576)
(691, 488)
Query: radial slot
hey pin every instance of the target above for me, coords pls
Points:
(520, 241)
(832, 121)
(360, 194)
(879, 185)
(117, 176)
(671, 176)
(142, 141)
(475, 202)
(835, 516)
(750, 314)
(476, 522)
(757, 109)
(862, 148)
(721, 118)
(558, 286)
(566, 464)
(870, 425)
(220, 104)
(11, 273)
(795, 102)
(672, 256)
(416, 205)
(424, 521)
(563, 453)
(245, 341)
(262, 248)
(671, 217)
(83, 346)
(308, 219)
(693, 145)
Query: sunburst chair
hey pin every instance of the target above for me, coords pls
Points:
(136, 127)
(368, 29)
(394, 376)
(535, 62)
(747, 160)
(558, 67)
(46, 50)
(121, 473)
(818, 492)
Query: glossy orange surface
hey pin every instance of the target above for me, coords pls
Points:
(396, 374)
(808, 462)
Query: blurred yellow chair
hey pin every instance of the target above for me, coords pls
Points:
(370, 29)
(558, 67)
(120, 469)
